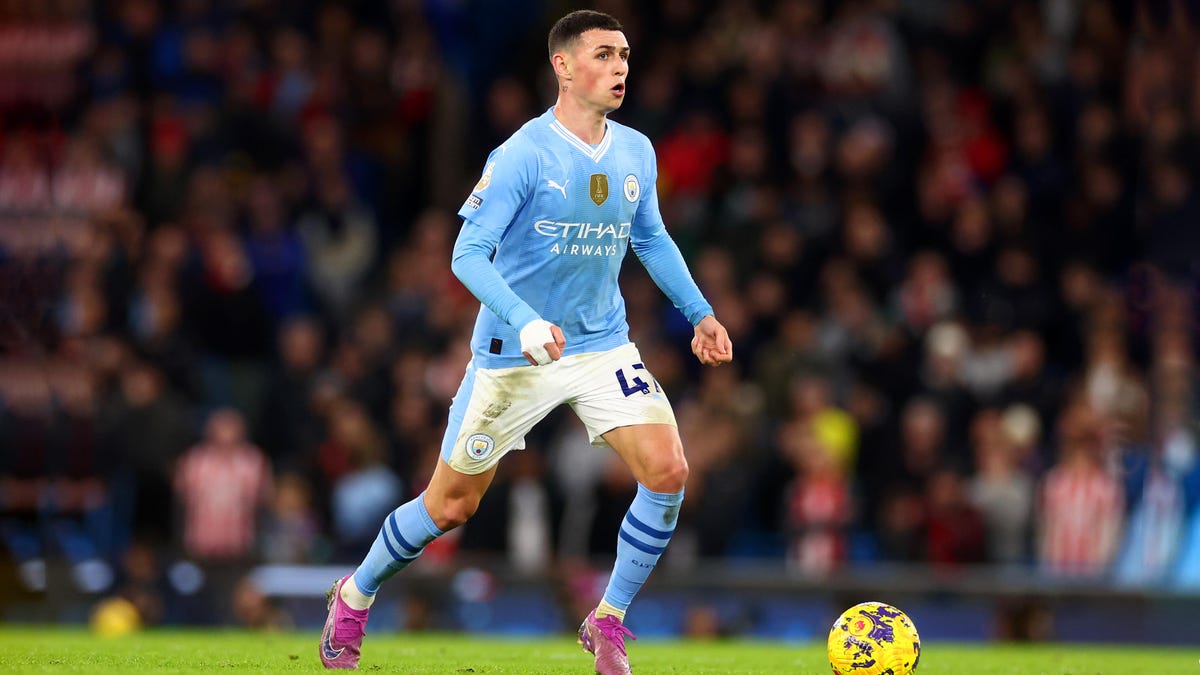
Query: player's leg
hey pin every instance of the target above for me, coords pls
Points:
(626, 409)
(486, 421)
(654, 453)
(449, 500)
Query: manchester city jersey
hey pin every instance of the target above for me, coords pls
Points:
(556, 215)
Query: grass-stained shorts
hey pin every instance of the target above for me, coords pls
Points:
(495, 407)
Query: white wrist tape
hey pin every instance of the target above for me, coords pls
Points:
(534, 337)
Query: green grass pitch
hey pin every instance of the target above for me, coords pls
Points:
(53, 650)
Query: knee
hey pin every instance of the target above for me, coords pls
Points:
(450, 512)
(670, 477)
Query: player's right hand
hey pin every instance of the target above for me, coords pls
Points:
(542, 342)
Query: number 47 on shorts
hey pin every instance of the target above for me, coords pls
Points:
(636, 385)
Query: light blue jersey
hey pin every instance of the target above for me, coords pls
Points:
(544, 234)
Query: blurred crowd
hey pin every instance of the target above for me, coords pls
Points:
(955, 244)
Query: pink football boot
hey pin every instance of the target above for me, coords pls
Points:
(341, 641)
(606, 639)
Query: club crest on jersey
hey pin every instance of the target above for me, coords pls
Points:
(486, 179)
(598, 188)
(632, 188)
(480, 446)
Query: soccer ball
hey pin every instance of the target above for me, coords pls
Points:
(874, 639)
(115, 617)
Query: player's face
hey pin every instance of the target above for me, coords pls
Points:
(599, 64)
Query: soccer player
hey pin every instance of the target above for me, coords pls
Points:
(544, 232)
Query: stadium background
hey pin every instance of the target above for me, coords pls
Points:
(954, 242)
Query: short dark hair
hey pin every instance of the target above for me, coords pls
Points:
(568, 29)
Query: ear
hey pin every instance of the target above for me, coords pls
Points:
(562, 68)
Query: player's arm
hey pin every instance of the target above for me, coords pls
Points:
(507, 182)
(664, 262)
(662, 259)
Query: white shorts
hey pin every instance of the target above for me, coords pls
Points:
(495, 407)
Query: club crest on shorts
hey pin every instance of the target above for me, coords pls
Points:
(480, 446)
(598, 188)
(632, 188)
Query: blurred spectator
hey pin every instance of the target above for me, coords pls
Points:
(577, 467)
(1035, 160)
(922, 453)
(147, 428)
(166, 179)
(1002, 489)
(819, 507)
(339, 237)
(813, 414)
(1082, 505)
(276, 253)
(25, 470)
(792, 352)
(353, 460)
(1172, 207)
(291, 532)
(927, 294)
(156, 317)
(950, 359)
(224, 295)
(1174, 426)
(720, 477)
(1015, 297)
(222, 483)
(954, 528)
(1022, 429)
(864, 58)
(1080, 289)
(226, 313)
(516, 523)
(364, 496)
(373, 335)
(1028, 380)
(293, 80)
(870, 246)
(1154, 529)
(853, 329)
(78, 502)
(530, 541)
(289, 430)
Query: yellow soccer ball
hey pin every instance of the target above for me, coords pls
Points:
(115, 617)
(872, 638)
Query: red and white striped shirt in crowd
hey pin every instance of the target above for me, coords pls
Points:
(1082, 518)
(818, 509)
(221, 488)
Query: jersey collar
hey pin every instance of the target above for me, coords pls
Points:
(594, 153)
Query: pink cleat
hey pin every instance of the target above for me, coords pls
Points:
(341, 641)
(606, 639)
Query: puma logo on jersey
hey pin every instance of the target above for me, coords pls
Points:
(561, 188)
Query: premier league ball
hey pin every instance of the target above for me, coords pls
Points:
(874, 639)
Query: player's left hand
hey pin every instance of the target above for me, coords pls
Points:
(712, 344)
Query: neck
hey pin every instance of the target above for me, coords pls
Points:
(587, 124)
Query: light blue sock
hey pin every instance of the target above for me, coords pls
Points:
(644, 534)
(405, 533)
